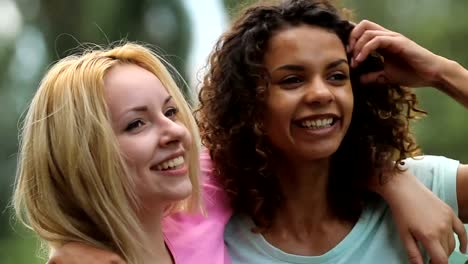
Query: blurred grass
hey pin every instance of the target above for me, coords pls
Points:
(21, 247)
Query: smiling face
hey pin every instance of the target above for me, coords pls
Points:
(151, 137)
(310, 101)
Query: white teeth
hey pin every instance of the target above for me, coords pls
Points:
(318, 123)
(171, 164)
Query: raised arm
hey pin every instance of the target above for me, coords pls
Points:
(453, 80)
(407, 63)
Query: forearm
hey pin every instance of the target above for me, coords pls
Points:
(392, 188)
(452, 79)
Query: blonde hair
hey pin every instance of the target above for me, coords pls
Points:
(71, 180)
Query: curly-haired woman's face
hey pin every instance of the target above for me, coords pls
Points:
(310, 101)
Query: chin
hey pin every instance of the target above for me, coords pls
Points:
(319, 153)
(177, 194)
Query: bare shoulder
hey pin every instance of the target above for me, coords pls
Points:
(75, 253)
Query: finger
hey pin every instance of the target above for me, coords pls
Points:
(387, 43)
(450, 244)
(460, 230)
(374, 77)
(435, 251)
(412, 249)
(360, 28)
(367, 37)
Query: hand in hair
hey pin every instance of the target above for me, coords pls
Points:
(406, 63)
(79, 253)
(432, 225)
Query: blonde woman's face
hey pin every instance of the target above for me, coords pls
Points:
(152, 139)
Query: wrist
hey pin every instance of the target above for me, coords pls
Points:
(447, 73)
(392, 189)
(452, 79)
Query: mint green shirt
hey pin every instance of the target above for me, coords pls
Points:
(373, 239)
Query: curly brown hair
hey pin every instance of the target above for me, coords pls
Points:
(230, 115)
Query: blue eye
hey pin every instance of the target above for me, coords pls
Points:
(171, 112)
(134, 125)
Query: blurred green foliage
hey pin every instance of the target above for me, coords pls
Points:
(51, 29)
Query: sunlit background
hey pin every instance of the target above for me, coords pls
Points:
(35, 33)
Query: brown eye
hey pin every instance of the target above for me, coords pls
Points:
(339, 77)
(134, 125)
(171, 112)
(291, 80)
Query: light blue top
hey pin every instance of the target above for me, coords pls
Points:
(373, 239)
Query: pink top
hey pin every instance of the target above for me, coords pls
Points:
(194, 238)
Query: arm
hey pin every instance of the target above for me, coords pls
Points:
(453, 80)
(462, 192)
(407, 63)
(408, 200)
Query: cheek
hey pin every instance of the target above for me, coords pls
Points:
(186, 136)
(279, 108)
(347, 104)
(135, 151)
(187, 140)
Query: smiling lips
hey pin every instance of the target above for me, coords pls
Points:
(172, 164)
(317, 123)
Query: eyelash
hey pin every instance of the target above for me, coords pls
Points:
(291, 80)
(134, 125)
(171, 112)
(341, 77)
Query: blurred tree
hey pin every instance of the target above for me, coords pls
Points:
(159, 22)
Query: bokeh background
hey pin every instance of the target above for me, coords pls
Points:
(35, 33)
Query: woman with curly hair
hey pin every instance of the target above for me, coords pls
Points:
(298, 142)
(301, 116)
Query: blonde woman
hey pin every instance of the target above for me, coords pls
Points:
(108, 148)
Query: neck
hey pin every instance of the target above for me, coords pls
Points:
(304, 187)
(151, 221)
(306, 224)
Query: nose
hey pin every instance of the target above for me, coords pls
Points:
(172, 133)
(318, 92)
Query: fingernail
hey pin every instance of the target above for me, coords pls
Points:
(359, 57)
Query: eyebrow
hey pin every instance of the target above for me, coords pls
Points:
(167, 99)
(144, 108)
(336, 63)
(294, 67)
